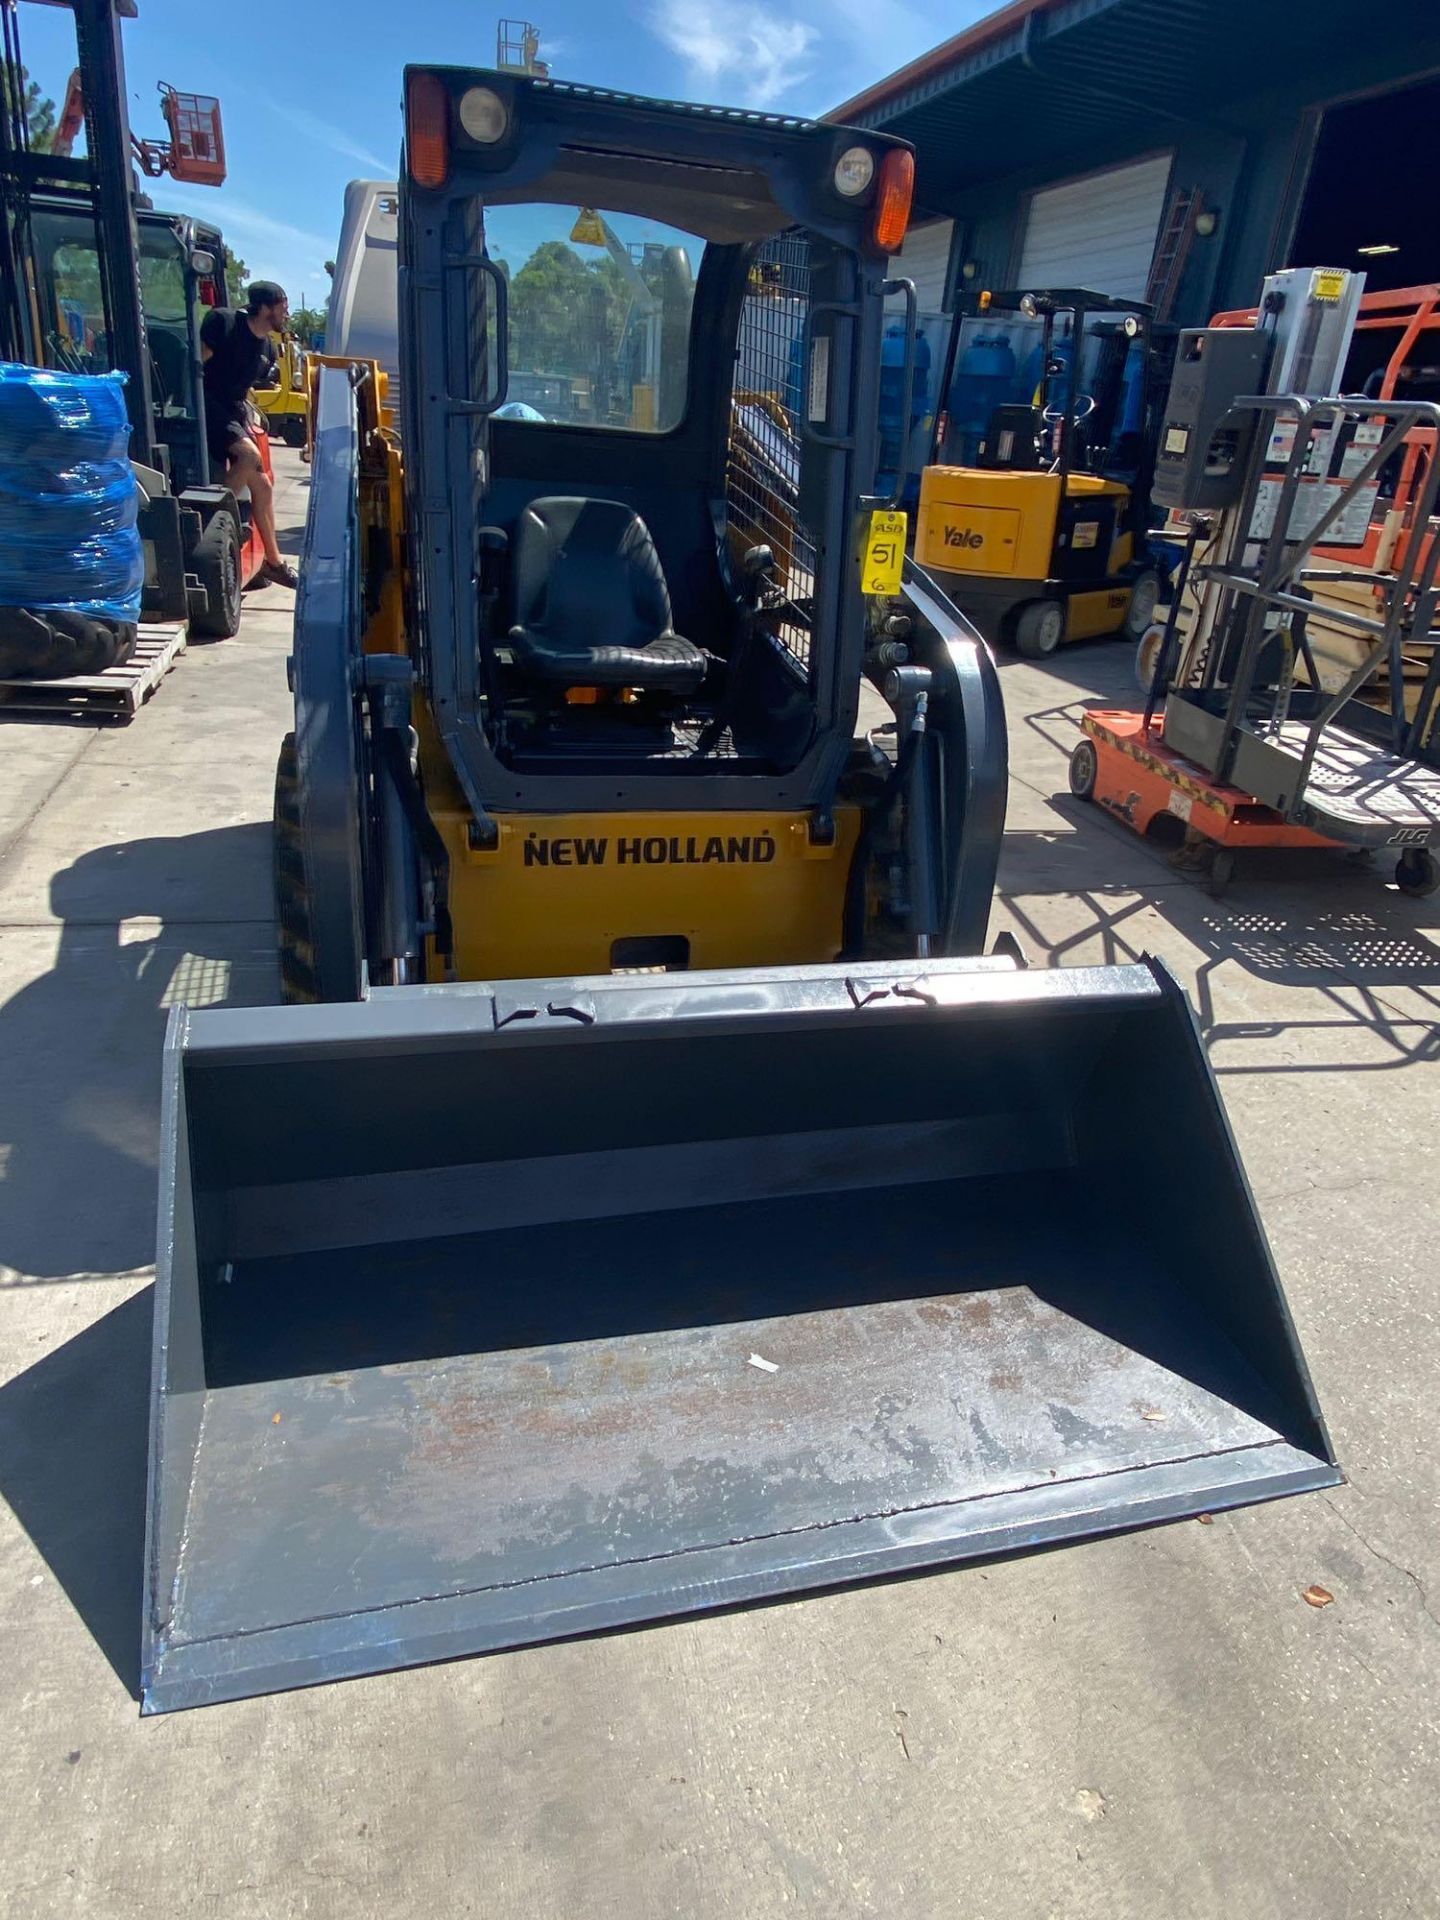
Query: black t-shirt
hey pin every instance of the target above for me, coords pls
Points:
(238, 361)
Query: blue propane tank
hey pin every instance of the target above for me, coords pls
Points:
(1132, 391)
(1035, 388)
(893, 430)
(983, 379)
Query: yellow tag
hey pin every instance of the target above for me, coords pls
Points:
(884, 553)
(588, 230)
(1328, 283)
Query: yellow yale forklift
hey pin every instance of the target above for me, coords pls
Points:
(1032, 511)
(664, 1200)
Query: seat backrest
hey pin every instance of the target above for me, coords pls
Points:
(1009, 442)
(587, 571)
(169, 365)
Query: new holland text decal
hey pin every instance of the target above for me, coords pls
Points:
(690, 850)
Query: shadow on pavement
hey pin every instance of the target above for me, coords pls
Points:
(1309, 919)
(1350, 954)
(144, 928)
(1101, 669)
(72, 1467)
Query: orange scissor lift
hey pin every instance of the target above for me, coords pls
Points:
(1321, 787)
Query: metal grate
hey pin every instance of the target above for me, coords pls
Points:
(762, 481)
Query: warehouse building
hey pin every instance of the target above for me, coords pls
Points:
(1175, 150)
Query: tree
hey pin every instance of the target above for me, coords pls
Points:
(567, 315)
(39, 111)
(307, 322)
(237, 279)
(548, 310)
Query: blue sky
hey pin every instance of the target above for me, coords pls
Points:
(311, 88)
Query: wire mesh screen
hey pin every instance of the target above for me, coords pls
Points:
(762, 482)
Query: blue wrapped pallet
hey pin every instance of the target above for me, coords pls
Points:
(68, 498)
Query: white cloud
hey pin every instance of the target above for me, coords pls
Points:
(249, 227)
(744, 53)
(324, 134)
(807, 54)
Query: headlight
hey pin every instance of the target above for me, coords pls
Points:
(854, 171)
(483, 115)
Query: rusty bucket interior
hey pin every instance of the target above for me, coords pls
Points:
(484, 1320)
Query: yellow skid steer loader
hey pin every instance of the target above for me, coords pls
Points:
(656, 1198)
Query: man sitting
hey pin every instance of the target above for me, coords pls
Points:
(238, 355)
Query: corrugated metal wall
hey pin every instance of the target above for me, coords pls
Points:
(1097, 232)
(923, 259)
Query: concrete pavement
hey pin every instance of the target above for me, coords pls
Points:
(1150, 1726)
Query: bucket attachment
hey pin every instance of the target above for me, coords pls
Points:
(493, 1315)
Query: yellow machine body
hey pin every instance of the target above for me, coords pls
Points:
(292, 396)
(998, 539)
(1004, 525)
(286, 406)
(565, 893)
(559, 893)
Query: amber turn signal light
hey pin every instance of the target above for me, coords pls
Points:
(892, 202)
(427, 129)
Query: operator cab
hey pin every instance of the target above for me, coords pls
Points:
(182, 273)
(660, 534)
(1047, 379)
(580, 644)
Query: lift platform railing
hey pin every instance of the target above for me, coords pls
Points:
(1275, 584)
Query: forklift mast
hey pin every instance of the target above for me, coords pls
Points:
(1086, 343)
(103, 182)
(103, 177)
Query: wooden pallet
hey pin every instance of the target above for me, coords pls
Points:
(116, 695)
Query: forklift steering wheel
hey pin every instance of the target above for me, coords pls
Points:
(1084, 407)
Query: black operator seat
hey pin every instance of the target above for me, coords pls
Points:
(591, 605)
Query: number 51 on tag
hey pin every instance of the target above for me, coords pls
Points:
(884, 553)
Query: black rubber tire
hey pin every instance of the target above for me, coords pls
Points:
(299, 985)
(1147, 652)
(1039, 629)
(1084, 766)
(216, 564)
(60, 644)
(1417, 872)
(1144, 598)
(291, 429)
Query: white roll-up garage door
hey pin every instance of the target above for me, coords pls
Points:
(923, 259)
(1098, 232)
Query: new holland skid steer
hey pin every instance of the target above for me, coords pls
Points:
(663, 1202)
